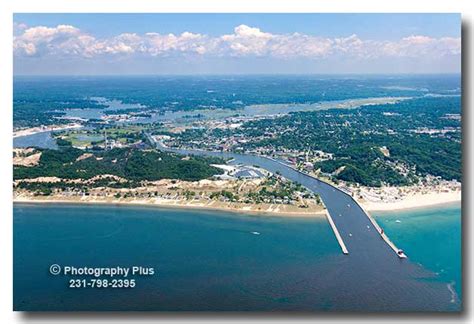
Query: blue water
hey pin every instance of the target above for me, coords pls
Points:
(42, 140)
(212, 260)
(431, 237)
(204, 260)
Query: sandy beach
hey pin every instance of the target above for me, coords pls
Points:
(416, 200)
(262, 209)
(411, 202)
(36, 130)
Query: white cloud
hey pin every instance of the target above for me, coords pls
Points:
(419, 46)
(19, 28)
(157, 44)
(33, 40)
(245, 41)
(352, 45)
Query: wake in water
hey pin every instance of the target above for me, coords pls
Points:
(452, 291)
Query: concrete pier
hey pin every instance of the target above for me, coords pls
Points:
(374, 274)
(336, 233)
(384, 236)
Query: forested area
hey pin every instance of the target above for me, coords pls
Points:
(131, 164)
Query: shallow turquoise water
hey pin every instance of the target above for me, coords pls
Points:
(431, 237)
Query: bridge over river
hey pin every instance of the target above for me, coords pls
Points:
(371, 276)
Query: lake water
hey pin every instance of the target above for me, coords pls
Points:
(42, 140)
(203, 260)
(247, 111)
(431, 237)
(209, 260)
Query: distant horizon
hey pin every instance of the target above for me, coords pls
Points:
(244, 74)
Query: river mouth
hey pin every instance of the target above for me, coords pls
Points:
(368, 254)
(370, 278)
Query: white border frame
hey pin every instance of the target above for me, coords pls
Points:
(8, 7)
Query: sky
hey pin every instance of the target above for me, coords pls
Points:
(118, 44)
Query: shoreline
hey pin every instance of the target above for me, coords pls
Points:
(262, 213)
(412, 203)
(390, 212)
(38, 130)
(416, 201)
